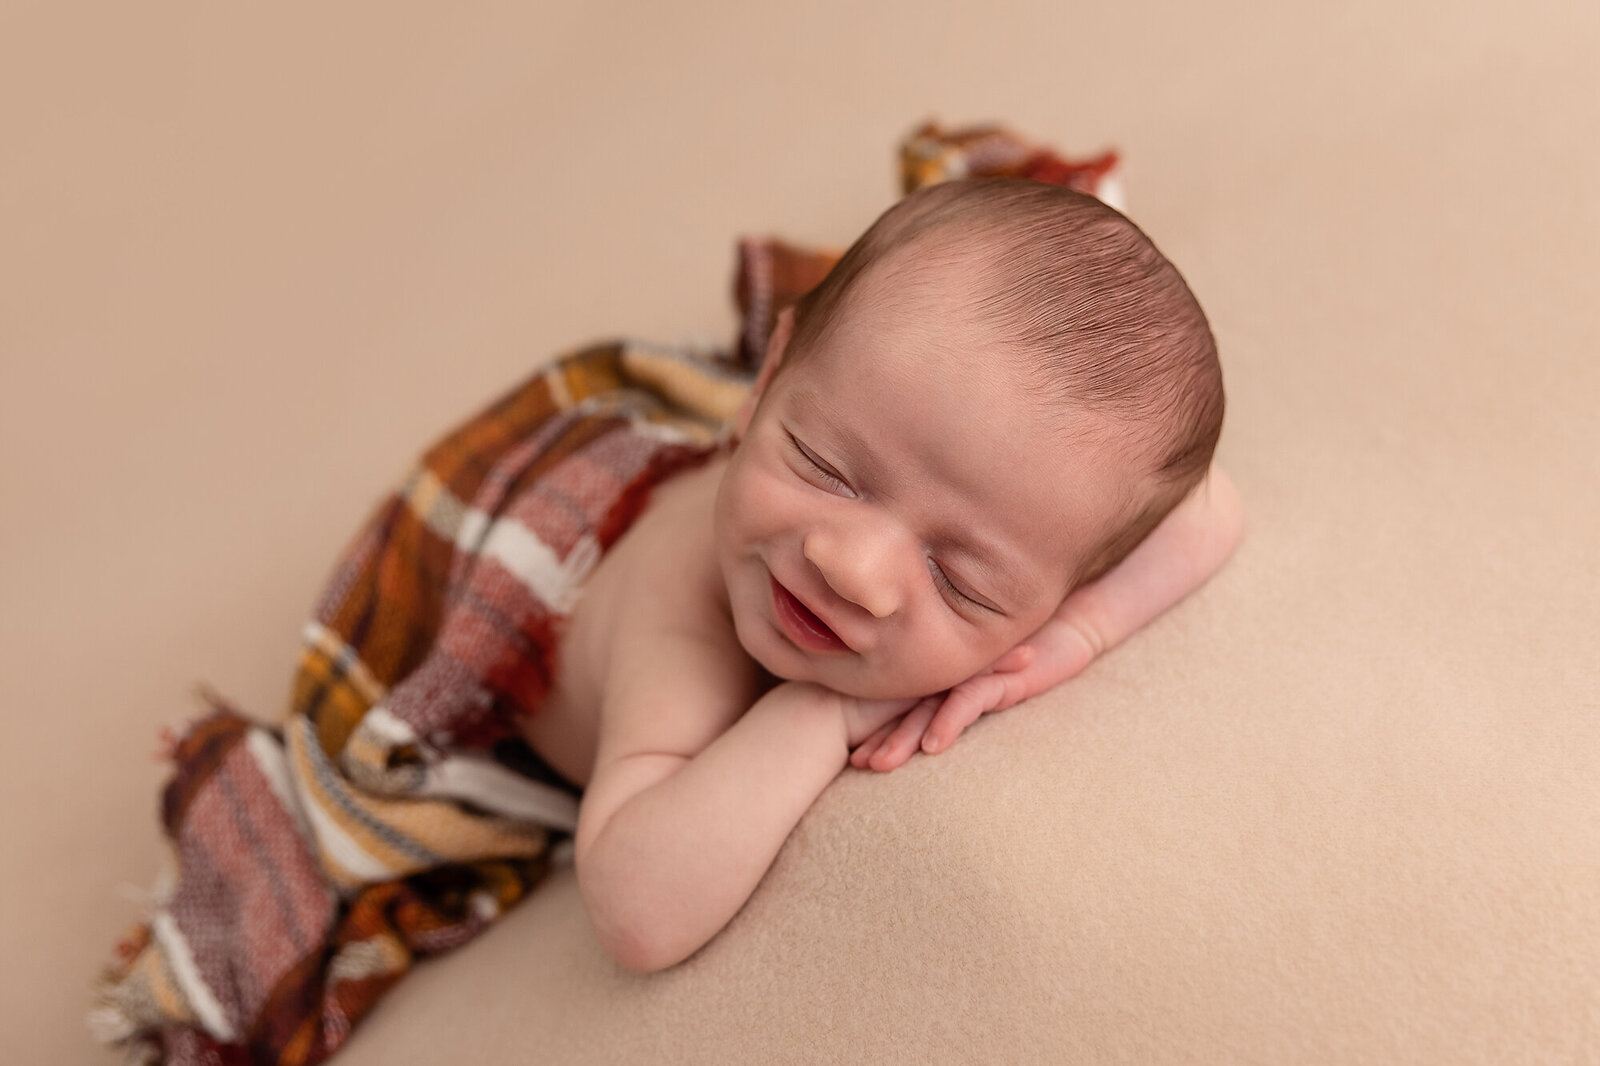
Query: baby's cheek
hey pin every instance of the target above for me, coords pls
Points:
(737, 505)
(976, 652)
(936, 666)
(769, 506)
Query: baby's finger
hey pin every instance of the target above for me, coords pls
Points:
(874, 744)
(1018, 658)
(966, 705)
(864, 750)
(902, 743)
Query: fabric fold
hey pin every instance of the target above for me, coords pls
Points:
(396, 812)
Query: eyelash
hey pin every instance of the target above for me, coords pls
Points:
(942, 579)
(834, 480)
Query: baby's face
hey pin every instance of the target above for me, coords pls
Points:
(899, 513)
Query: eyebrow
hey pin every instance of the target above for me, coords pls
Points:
(808, 399)
(1002, 584)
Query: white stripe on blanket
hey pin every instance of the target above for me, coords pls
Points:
(487, 784)
(195, 989)
(554, 581)
(358, 864)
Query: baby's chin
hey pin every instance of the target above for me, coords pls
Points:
(846, 674)
(860, 683)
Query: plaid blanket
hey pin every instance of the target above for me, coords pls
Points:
(395, 812)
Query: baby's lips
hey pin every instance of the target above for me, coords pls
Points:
(804, 624)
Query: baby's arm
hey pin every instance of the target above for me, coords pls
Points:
(690, 801)
(1178, 556)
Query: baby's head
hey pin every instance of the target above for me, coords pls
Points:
(995, 395)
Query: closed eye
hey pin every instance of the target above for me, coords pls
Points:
(824, 473)
(950, 589)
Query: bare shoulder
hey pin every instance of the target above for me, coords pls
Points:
(675, 676)
(648, 657)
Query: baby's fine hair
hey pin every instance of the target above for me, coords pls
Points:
(1104, 321)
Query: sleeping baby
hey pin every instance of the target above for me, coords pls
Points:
(977, 455)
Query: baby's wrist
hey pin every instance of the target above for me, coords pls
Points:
(821, 707)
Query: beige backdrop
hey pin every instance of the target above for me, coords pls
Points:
(1339, 807)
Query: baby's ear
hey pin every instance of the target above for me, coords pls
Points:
(777, 345)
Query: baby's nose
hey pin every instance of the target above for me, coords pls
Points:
(859, 568)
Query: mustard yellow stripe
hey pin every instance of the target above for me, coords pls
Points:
(339, 715)
(555, 380)
(694, 388)
(458, 836)
(440, 829)
(162, 986)
(334, 650)
(337, 829)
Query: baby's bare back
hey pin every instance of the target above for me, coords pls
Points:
(658, 585)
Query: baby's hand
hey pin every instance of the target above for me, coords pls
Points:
(1057, 652)
(865, 718)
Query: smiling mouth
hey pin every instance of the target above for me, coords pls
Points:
(801, 625)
